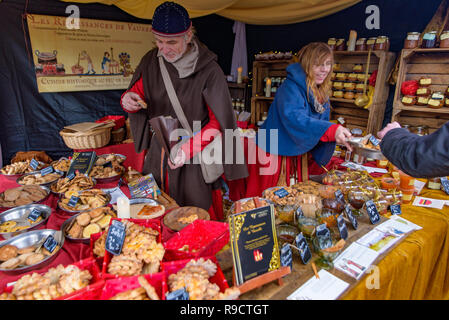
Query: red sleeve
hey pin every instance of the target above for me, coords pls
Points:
(136, 88)
(329, 135)
(202, 138)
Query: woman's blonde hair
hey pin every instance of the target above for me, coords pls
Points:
(316, 53)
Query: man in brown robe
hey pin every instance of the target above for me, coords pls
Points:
(203, 93)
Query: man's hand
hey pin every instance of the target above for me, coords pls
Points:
(178, 161)
(342, 135)
(389, 126)
(130, 102)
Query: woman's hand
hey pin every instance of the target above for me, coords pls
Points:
(388, 127)
(178, 160)
(342, 135)
(130, 102)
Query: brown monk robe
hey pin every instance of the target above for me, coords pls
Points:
(198, 83)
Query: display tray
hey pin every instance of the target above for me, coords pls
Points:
(45, 184)
(45, 189)
(359, 148)
(172, 219)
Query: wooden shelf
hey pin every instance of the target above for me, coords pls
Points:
(350, 101)
(237, 85)
(274, 61)
(423, 109)
(263, 98)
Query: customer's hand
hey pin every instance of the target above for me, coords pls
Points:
(130, 102)
(178, 160)
(342, 135)
(389, 126)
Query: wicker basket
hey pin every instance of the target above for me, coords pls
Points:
(91, 139)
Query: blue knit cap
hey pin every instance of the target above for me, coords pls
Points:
(170, 20)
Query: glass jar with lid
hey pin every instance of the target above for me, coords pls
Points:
(421, 130)
(434, 183)
(412, 40)
(332, 42)
(370, 43)
(444, 39)
(360, 44)
(382, 43)
(340, 45)
(429, 40)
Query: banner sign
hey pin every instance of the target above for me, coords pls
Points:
(99, 55)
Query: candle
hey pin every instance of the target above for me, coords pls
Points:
(123, 210)
(239, 74)
(268, 88)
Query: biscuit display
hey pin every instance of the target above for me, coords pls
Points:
(78, 183)
(90, 222)
(88, 199)
(22, 196)
(20, 168)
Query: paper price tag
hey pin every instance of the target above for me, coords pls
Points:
(298, 214)
(71, 176)
(180, 294)
(352, 219)
(286, 256)
(73, 201)
(281, 193)
(445, 184)
(50, 244)
(339, 196)
(341, 224)
(46, 170)
(373, 214)
(34, 214)
(395, 209)
(304, 250)
(34, 164)
(322, 231)
(374, 140)
(115, 237)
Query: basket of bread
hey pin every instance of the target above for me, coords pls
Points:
(87, 135)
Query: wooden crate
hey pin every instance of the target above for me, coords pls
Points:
(414, 64)
(261, 70)
(369, 120)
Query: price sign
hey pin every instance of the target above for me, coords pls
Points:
(46, 170)
(298, 214)
(339, 196)
(373, 214)
(180, 294)
(34, 214)
(374, 140)
(342, 227)
(115, 237)
(303, 247)
(286, 256)
(73, 201)
(445, 184)
(323, 231)
(352, 219)
(395, 209)
(50, 244)
(34, 164)
(71, 176)
(281, 193)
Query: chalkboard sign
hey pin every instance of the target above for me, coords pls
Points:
(395, 209)
(298, 214)
(374, 140)
(34, 164)
(34, 214)
(50, 243)
(46, 171)
(445, 184)
(342, 227)
(281, 193)
(373, 214)
(82, 162)
(115, 237)
(322, 231)
(286, 256)
(339, 196)
(71, 176)
(180, 294)
(73, 201)
(304, 250)
(352, 219)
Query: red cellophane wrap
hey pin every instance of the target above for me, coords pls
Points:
(409, 88)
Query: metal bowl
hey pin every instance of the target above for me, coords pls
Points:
(19, 212)
(47, 191)
(108, 179)
(57, 161)
(143, 201)
(108, 199)
(358, 148)
(14, 177)
(32, 238)
(121, 156)
(46, 184)
(65, 226)
(60, 194)
(231, 210)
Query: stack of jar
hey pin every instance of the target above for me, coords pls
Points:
(238, 105)
(425, 97)
(275, 84)
(429, 40)
(348, 85)
(362, 44)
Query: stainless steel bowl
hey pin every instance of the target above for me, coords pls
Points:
(358, 148)
(57, 161)
(32, 238)
(108, 199)
(47, 191)
(109, 179)
(65, 226)
(46, 184)
(14, 177)
(60, 194)
(121, 156)
(244, 200)
(22, 211)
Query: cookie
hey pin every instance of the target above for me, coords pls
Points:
(8, 252)
(91, 229)
(34, 258)
(75, 231)
(83, 219)
(96, 212)
(10, 264)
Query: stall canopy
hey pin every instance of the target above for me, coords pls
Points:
(260, 12)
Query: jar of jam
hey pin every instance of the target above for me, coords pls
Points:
(425, 82)
(349, 95)
(436, 101)
(338, 94)
(370, 43)
(331, 42)
(422, 101)
(423, 92)
(336, 67)
(349, 86)
(412, 40)
(429, 40)
(446, 103)
(382, 43)
(341, 76)
(358, 68)
(360, 87)
(408, 100)
(333, 76)
(360, 44)
(361, 77)
(337, 85)
(434, 184)
(444, 39)
(340, 45)
(437, 95)
(352, 77)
